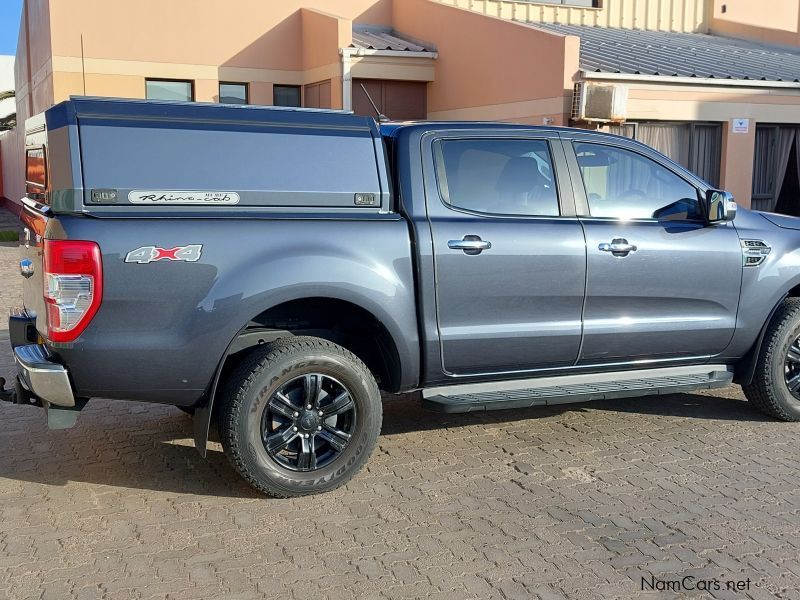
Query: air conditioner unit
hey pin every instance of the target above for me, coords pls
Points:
(599, 102)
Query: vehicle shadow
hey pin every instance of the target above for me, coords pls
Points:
(128, 447)
(403, 414)
(147, 447)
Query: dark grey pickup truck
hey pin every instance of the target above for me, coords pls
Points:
(274, 270)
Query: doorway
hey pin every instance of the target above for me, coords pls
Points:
(398, 100)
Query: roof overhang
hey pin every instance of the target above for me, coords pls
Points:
(704, 81)
(352, 52)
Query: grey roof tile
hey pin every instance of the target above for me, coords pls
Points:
(634, 51)
(370, 38)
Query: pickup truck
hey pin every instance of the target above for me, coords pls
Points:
(274, 271)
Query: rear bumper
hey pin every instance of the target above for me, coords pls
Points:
(45, 379)
(36, 371)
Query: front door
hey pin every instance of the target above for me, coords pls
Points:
(661, 283)
(509, 255)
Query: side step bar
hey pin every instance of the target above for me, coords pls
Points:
(524, 393)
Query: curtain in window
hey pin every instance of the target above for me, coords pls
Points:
(627, 130)
(671, 139)
(705, 152)
(783, 149)
(696, 146)
(764, 168)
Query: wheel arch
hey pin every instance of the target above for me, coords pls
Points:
(326, 317)
(745, 367)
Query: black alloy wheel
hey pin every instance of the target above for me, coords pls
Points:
(308, 422)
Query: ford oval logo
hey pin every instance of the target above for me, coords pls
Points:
(26, 267)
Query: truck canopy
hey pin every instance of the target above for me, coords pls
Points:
(145, 156)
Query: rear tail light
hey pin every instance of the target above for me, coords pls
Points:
(73, 287)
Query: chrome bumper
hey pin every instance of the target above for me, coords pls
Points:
(41, 376)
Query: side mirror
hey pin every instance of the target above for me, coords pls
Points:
(720, 206)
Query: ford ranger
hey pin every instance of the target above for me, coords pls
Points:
(273, 271)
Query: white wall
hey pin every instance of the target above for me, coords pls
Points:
(6, 83)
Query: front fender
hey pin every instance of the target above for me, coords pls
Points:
(764, 286)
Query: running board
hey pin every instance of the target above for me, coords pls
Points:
(545, 391)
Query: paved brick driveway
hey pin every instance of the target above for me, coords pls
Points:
(575, 502)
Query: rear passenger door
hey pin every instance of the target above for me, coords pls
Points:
(509, 253)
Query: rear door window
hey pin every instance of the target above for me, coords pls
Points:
(498, 176)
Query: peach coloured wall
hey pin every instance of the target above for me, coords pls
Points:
(292, 42)
(245, 33)
(665, 101)
(777, 22)
(34, 90)
(736, 170)
(12, 147)
(322, 36)
(525, 77)
(660, 15)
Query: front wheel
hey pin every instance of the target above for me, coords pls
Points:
(775, 389)
(300, 416)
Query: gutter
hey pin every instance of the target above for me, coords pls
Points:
(709, 81)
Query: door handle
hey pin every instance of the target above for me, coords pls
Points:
(470, 244)
(617, 247)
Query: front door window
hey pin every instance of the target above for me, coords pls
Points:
(623, 184)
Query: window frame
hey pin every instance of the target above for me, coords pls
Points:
(170, 80)
(581, 195)
(299, 89)
(439, 169)
(244, 84)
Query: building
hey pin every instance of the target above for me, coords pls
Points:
(715, 84)
(7, 106)
(6, 84)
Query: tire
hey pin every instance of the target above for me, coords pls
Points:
(264, 403)
(770, 389)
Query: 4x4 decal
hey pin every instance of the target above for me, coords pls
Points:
(149, 254)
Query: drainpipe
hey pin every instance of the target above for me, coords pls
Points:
(347, 78)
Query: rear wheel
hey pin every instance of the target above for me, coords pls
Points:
(300, 416)
(775, 389)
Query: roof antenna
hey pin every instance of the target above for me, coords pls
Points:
(381, 117)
